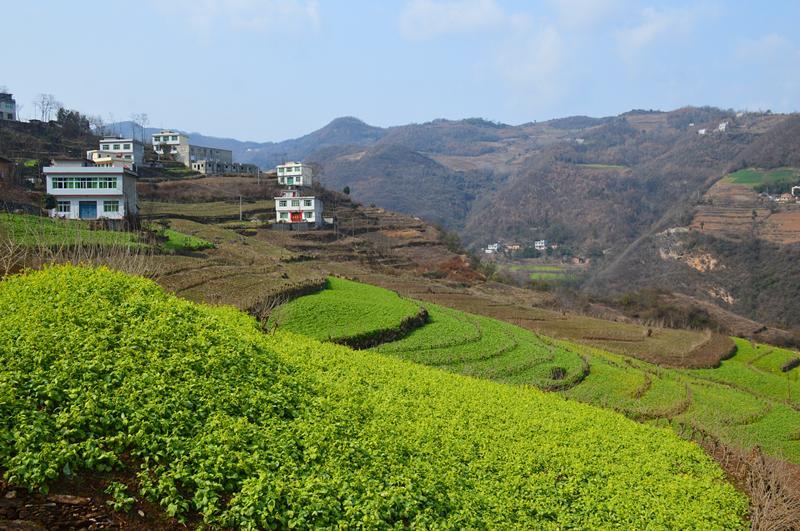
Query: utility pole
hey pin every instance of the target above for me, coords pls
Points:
(240, 208)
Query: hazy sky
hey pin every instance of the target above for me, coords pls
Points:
(275, 69)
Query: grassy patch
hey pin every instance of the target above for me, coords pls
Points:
(36, 230)
(754, 177)
(214, 209)
(345, 310)
(265, 431)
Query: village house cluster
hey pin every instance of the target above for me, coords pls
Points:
(103, 185)
(789, 197)
(507, 248)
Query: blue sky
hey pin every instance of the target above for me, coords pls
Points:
(275, 69)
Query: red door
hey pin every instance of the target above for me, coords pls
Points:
(297, 216)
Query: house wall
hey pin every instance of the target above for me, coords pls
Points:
(301, 175)
(124, 192)
(310, 213)
(75, 201)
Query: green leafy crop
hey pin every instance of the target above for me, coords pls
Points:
(267, 431)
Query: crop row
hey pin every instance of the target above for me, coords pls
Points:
(732, 402)
(345, 310)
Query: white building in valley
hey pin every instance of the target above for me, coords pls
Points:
(291, 207)
(126, 152)
(85, 191)
(540, 245)
(295, 174)
(8, 107)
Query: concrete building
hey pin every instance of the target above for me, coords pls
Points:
(207, 167)
(127, 152)
(85, 191)
(178, 146)
(722, 127)
(8, 107)
(295, 174)
(540, 245)
(291, 207)
(796, 191)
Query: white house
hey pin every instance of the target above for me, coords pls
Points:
(722, 127)
(124, 151)
(295, 174)
(85, 191)
(701, 132)
(540, 245)
(796, 191)
(8, 107)
(291, 207)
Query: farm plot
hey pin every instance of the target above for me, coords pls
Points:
(246, 430)
(491, 349)
(32, 231)
(741, 405)
(755, 177)
(209, 210)
(346, 310)
(744, 372)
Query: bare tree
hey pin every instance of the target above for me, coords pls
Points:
(97, 124)
(46, 105)
(144, 120)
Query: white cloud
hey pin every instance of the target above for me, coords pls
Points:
(258, 15)
(425, 19)
(657, 24)
(534, 64)
(771, 45)
(584, 12)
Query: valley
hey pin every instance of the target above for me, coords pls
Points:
(389, 288)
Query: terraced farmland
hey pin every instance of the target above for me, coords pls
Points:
(347, 311)
(486, 348)
(748, 400)
(210, 419)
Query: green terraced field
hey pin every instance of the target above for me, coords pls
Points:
(345, 310)
(211, 417)
(754, 177)
(748, 400)
(487, 348)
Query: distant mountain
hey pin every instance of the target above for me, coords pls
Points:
(606, 188)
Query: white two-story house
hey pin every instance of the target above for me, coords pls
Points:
(125, 151)
(291, 207)
(85, 191)
(295, 174)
